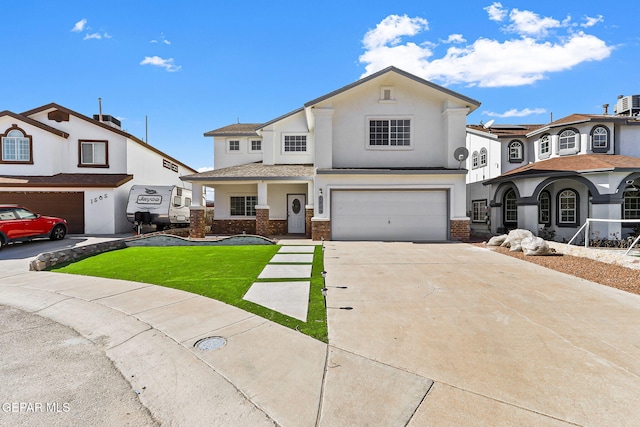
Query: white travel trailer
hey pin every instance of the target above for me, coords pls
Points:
(162, 205)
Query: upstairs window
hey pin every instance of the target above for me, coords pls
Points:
(93, 153)
(474, 160)
(600, 139)
(516, 151)
(234, 145)
(295, 143)
(16, 147)
(483, 157)
(568, 140)
(545, 146)
(390, 133)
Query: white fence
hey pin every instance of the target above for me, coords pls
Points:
(586, 226)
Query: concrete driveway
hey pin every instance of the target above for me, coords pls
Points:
(505, 342)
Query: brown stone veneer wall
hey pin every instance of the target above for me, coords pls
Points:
(307, 222)
(460, 229)
(262, 222)
(197, 223)
(321, 230)
(233, 226)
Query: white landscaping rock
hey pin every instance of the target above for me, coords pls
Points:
(535, 246)
(515, 237)
(497, 240)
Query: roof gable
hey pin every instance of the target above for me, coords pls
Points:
(35, 123)
(127, 135)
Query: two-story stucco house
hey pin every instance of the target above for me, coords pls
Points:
(58, 162)
(373, 160)
(550, 178)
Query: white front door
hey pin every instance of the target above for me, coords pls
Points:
(295, 213)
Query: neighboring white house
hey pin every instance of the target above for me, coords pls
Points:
(550, 178)
(373, 160)
(62, 163)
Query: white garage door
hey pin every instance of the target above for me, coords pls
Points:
(411, 215)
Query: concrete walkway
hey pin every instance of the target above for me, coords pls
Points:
(290, 297)
(439, 334)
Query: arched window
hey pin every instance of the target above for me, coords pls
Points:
(474, 160)
(516, 151)
(483, 156)
(510, 209)
(568, 208)
(600, 139)
(568, 140)
(544, 208)
(545, 145)
(16, 147)
(631, 205)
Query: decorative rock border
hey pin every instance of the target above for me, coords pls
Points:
(49, 259)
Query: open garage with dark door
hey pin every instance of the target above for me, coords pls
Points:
(67, 205)
(390, 215)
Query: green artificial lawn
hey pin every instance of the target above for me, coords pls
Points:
(224, 273)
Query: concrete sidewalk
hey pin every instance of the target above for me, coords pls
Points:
(438, 334)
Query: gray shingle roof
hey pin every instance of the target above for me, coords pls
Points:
(254, 171)
(236, 129)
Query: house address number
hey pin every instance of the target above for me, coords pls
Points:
(98, 199)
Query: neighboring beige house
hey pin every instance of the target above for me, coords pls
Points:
(550, 178)
(58, 162)
(373, 160)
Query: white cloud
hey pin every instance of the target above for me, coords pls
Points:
(205, 169)
(516, 113)
(485, 62)
(96, 36)
(590, 22)
(167, 64)
(496, 12)
(391, 28)
(162, 40)
(79, 26)
(525, 22)
(455, 38)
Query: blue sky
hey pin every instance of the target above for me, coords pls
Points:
(194, 66)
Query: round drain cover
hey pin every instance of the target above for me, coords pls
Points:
(211, 343)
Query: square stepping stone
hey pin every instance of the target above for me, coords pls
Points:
(308, 249)
(292, 258)
(286, 271)
(290, 298)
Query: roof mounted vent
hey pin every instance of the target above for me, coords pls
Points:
(628, 105)
(108, 120)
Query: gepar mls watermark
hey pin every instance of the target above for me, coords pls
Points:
(34, 407)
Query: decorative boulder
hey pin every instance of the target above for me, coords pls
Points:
(497, 240)
(535, 246)
(515, 237)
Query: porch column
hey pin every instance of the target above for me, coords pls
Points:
(309, 209)
(196, 213)
(528, 218)
(555, 146)
(262, 210)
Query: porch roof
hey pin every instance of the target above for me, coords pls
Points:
(575, 164)
(255, 171)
